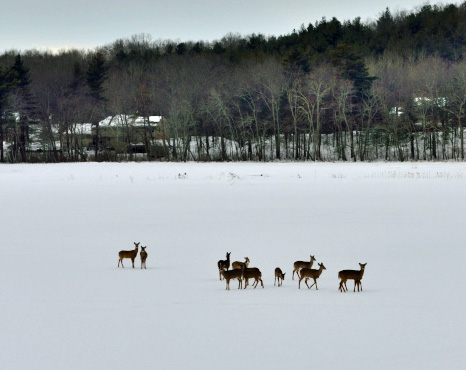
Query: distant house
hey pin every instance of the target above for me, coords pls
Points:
(125, 133)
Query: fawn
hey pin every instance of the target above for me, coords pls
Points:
(279, 275)
(143, 255)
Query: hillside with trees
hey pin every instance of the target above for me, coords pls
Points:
(391, 89)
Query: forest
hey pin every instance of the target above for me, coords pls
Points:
(391, 89)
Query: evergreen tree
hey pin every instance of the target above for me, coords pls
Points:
(96, 76)
(5, 87)
(351, 67)
(24, 103)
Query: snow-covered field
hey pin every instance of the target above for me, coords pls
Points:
(65, 304)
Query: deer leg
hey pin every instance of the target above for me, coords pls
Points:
(299, 286)
(262, 283)
(307, 284)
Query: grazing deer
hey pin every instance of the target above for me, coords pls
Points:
(355, 275)
(223, 265)
(128, 254)
(233, 274)
(279, 275)
(143, 255)
(238, 264)
(298, 265)
(311, 274)
(252, 273)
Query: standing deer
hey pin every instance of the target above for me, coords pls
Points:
(355, 275)
(143, 255)
(311, 274)
(279, 275)
(128, 254)
(233, 274)
(302, 264)
(223, 265)
(238, 264)
(252, 273)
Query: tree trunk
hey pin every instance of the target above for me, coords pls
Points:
(2, 158)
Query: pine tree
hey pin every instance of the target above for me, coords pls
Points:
(351, 67)
(25, 103)
(96, 76)
(4, 90)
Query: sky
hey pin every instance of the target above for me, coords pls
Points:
(86, 24)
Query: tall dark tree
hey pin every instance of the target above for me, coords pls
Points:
(97, 74)
(5, 87)
(23, 102)
(351, 66)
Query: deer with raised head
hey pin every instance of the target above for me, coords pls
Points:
(128, 254)
(298, 265)
(223, 265)
(279, 275)
(238, 264)
(252, 273)
(355, 275)
(311, 274)
(143, 255)
(233, 274)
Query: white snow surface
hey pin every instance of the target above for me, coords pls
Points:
(66, 305)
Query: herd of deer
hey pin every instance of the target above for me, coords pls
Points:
(242, 272)
(132, 255)
(303, 269)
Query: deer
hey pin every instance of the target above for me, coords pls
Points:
(238, 264)
(302, 264)
(311, 274)
(252, 273)
(279, 275)
(223, 265)
(355, 275)
(233, 274)
(143, 255)
(128, 254)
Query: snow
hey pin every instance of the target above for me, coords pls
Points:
(66, 304)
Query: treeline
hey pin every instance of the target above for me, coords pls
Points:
(393, 89)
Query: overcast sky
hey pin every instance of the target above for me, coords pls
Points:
(86, 24)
